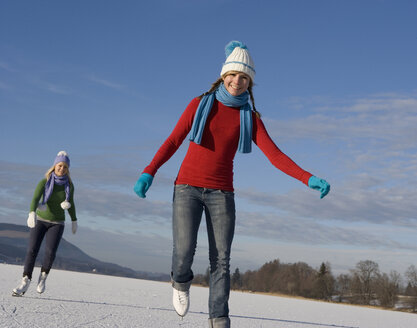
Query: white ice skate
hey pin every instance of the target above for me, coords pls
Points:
(24, 285)
(181, 301)
(41, 282)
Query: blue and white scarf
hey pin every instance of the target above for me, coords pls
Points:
(49, 186)
(222, 95)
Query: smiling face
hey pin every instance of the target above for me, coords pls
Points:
(61, 169)
(236, 83)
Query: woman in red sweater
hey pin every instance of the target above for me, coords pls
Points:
(220, 123)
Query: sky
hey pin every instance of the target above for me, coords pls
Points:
(107, 81)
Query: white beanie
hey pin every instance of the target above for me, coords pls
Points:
(238, 59)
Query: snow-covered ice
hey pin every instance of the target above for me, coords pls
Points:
(74, 299)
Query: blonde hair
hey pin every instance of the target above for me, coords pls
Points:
(52, 169)
(216, 84)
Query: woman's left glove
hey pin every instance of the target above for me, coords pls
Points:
(320, 185)
(74, 227)
(31, 222)
(143, 184)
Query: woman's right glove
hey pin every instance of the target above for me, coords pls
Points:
(320, 185)
(143, 184)
(31, 220)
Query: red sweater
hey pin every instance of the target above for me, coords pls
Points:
(210, 164)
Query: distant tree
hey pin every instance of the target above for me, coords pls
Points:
(202, 279)
(248, 280)
(411, 290)
(364, 285)
(299, 279)
(236, 280)
(387, 289)
(363, 281)
(266, 276)
(293, 279)
(342, 286)
(324, 283)
(408, 291)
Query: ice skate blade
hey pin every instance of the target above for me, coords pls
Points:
(17, 294)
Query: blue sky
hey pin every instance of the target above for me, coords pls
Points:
(107, 80)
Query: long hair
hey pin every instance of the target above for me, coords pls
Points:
(216, 84)
(52, 169)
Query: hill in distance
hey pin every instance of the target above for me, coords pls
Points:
(13, 244)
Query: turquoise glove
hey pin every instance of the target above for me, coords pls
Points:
(319, 184)
(143, 184)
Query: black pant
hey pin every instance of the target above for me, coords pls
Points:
(53, 234)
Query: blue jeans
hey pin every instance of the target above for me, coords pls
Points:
(219, 208)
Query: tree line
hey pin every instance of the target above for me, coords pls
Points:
(364, 284)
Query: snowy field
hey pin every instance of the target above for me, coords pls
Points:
(75, 299)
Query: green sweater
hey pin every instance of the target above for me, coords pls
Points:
(54, 211)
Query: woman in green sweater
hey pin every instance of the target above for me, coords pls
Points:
(47, 219)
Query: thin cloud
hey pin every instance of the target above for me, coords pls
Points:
(113, 205)
(355, 201)
(57, 89)
(293, 218)
(49, 87)
(390, 119)
(5, 66)
(106, 83)
(288, 228)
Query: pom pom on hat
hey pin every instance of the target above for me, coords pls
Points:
(232, 45)
(62, 156)
(238, 59)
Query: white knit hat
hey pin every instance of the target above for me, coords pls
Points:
(238, 59)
